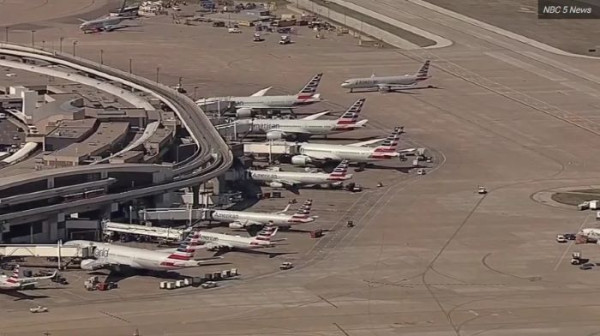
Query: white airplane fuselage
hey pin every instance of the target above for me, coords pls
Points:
(227, 216)
(342, 152)
(266, 101)
(100, 24)
(236, 242)
(303, 178)
(374, 82)
(134, 257)
(313, 127)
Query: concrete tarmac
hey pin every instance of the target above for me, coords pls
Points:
(428, 256)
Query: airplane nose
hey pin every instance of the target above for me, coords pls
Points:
(344, 85)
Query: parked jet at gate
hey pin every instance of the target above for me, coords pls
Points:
(222, 243)
(279, 179)
(110, 256)
(388, 83)
(14, 282)
(275, 129)
(245, 219)
(323, 153)
(246, 106)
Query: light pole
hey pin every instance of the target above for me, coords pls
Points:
(43, 44)
(102, 56)
(157, 73)
(130, 67)
(60, 43)
(74, 44)
(195, 90)
(32, 38)
(6, 34)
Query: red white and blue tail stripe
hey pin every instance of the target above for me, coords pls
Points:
(303, 214)
(423, 72)
(340, 172)
(14, 278)
(389, 146)
(185, 251)
(311, 87)
(350, 117)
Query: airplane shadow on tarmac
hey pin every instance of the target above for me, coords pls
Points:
(18, 295)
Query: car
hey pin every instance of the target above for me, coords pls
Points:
(570, 236)
(234, 30)
(209, 284)
(286, 265)
(257, 37)
(285, 39)
(421, 172)
(561, 239)
(38, 309)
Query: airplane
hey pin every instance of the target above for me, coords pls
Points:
(118, 257)
(311, 153)
(246, 106)
(106, 24)
(388, 83)
(14, 282)
(222, 243)
(275, 129)
(247, 219)
(279, 179)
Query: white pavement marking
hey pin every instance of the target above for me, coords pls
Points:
(440, 42)
(498, 30)
(571, 243)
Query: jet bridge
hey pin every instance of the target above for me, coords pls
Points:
(173, 214)
(171, 234)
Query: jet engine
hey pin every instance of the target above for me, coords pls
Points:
(236, 225)
(275, 135)
(301, 160)
(243, 112)
(275, 184)
(87, 264)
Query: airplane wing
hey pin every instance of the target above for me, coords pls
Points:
(294, 130)
(289, 183)
(261, 92)
(394, 86)
(315, 116)
(365, 143)
(25, 281)
(287, 207)
(258, 106)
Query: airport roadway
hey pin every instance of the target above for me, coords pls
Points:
(212, 158)
(428, 256)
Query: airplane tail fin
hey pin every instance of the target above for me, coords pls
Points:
(267, 233)
(185, 251)
(350, 117)
(340, 172)
(311, 87)
(14, 278)
(303, 213)
(423, 72)
(123, 6)
(391, 142)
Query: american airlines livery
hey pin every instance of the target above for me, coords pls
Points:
(14, 282)
(245, 219)
(389, 83)
(275, 129)
(311, 153)
(222, 243)
(245, 106)
(280, 179)
(110, 256)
